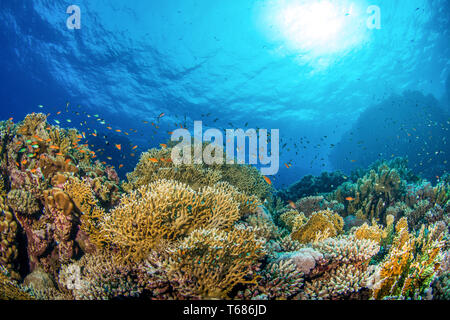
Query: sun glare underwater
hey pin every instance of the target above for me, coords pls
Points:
(241, 149)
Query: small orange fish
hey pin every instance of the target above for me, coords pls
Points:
(287, 166)
(94, 134)
(54, 147)
(163, 145)
(118, 146)
(134, 147)
(292, 204)
(103, 162)
(120, 166)
(59, 154)
(19, 142)
(353, 160)
(161, 115)
(350, 199)
(10, 119)
(169, 160)
(59, 112)
(67, 161)
(170, 132)
(24, 162)
(109, 128)
(132, 154)
(33, 170)
(153, 160)
(118, 130)
(48, 140)
(17, 164)
(267, 180)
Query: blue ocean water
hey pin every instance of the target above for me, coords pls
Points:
(313, 69)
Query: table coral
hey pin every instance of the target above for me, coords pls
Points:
(281, 280)
(339, 283)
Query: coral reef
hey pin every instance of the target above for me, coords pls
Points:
(71, 229)
(156, 164)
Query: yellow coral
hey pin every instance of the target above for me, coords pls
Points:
(9, 289)
(210, 262)
(155, 164)
(168, 210)
(374, 232)
(411, 263)
(91, 213)
(8, 245)
(321, 221)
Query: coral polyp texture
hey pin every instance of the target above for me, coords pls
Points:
(71, 229)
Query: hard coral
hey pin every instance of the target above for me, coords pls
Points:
(166, 210)
(210, 262)
(8, 240)
(156, 164)
(410, 266)
(326, 222)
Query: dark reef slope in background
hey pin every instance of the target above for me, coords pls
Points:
(411, 125)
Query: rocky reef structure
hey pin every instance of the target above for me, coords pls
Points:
(70, 229)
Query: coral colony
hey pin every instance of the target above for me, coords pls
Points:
(213, 152)
(71, 229)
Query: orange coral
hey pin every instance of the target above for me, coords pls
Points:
(411, 263)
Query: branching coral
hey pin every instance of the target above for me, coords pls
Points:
(411, 263)
(279, 281)
(321, 224)
(91, 213)
(210, 262)
(347, 249)
(166, 210)
(156, 164)
(339, 283)
(101, 276)
(10, 289)
(372, 193)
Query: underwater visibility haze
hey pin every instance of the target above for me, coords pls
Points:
(339, 191)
